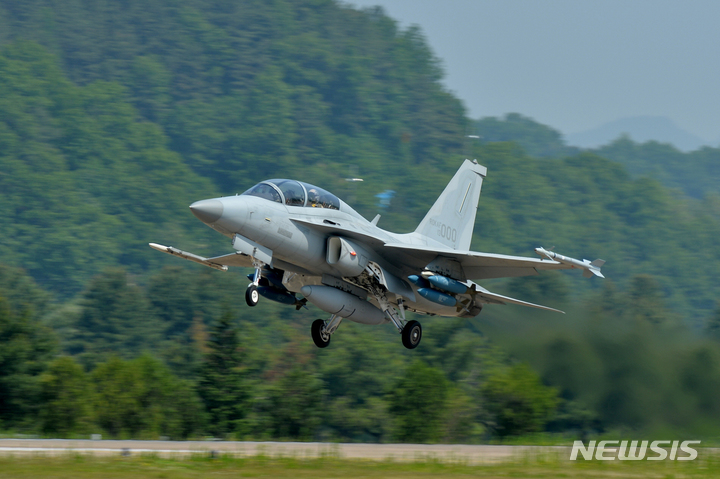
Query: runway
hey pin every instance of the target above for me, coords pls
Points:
(467, 454)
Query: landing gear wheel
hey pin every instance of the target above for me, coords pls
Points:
(411, 334)
(320, 339)
(251, 295)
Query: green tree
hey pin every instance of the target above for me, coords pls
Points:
(516, 401)
(171, 405)
(645, 300)
(460, 421)
(115, 319)
(118, 399)
(67, 402)
(175, 301)
(142, 399)
(22, 293)
(222, 380)
(26, 349)
(355, 408)
(296, 404)
(417, 402)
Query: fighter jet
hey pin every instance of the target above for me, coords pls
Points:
(305, 244)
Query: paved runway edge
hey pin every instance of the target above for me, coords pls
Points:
(448, 453)
(470, 454)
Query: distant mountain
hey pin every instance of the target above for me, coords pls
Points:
(538, 140)
(696, 172)
(641, 129)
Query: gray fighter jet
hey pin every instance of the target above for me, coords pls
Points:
(301, 239)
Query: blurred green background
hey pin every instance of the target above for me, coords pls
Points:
(115, 116)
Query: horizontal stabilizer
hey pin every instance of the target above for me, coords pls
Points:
(189, 256)
(598, 263)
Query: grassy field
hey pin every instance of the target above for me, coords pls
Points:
(141, 467)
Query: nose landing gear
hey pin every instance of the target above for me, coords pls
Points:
(251, 294)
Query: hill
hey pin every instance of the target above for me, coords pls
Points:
(80, 175)
(641, 129)
(696, 173)
(113, 135)
(538, 140)
(222, 95)
(115, 116)
(248, 89)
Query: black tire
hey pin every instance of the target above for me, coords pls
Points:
(316, 331)
(251, 295)
(412, 334)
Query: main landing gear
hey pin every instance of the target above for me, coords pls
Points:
(411, 334)
(411, 331)
(322, 330)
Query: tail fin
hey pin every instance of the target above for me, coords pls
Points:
(451, 219)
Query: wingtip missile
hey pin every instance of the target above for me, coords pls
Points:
(188, 256)
(159, 247)
(592, 268)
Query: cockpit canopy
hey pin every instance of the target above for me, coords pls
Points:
(294, 193)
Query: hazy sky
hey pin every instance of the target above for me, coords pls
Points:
(575, 65)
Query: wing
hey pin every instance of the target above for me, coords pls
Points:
(218, 262)
(457, 264)
(233, 259)
(472, 264)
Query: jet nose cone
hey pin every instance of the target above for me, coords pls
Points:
(207, 211)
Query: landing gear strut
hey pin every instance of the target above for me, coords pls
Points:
(411, 331)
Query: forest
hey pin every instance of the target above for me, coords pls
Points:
(115, 116)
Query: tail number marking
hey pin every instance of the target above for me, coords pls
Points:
(445, 231)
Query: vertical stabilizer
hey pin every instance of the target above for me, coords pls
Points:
(451, 219)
